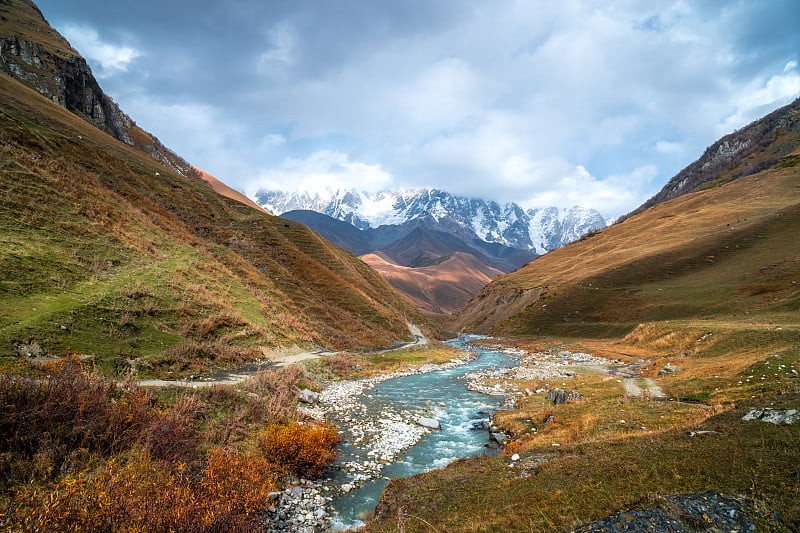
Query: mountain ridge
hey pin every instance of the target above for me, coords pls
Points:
(538, 230)
(758, 146)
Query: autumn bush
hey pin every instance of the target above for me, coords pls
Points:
(342, 364)
(229, 495)
(47, 420)
(278, 388)
(304, 451)
(173, 436)
(198, 357)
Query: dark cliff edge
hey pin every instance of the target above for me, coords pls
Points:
(37, 55)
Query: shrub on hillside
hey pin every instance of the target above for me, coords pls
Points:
(305, 451)
(197, 357)
(229, 495)
(47, 422)
(173, 435)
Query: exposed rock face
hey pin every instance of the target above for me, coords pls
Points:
(52, 67)
(774, 416)
(561, 396)
(683, 513)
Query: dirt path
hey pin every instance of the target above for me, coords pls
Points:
(234, 377)
(296, 358)
(638, 387)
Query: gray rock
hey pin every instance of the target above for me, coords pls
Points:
(307, 396)
(561, 396)
(685, 513)
(669, 369)
(780, 417)
(430, 423)
(498, 437)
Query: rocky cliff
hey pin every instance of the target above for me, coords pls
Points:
(34, 53)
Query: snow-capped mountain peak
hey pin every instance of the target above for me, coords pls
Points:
(539, 230)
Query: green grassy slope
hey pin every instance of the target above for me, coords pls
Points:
(107, 252)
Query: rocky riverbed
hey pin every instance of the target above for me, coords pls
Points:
(548, 368)
(378, 427)
(381, 435)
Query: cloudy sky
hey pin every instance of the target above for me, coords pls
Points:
(575, 102)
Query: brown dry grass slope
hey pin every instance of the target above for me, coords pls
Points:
(727, 250)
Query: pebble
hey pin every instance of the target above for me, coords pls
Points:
(299, 509)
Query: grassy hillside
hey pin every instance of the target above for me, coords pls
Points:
(729, 250)
(106, 252)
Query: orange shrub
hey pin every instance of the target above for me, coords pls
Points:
(305, 451)
(229, 495)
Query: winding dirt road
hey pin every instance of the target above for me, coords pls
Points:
(237, 376)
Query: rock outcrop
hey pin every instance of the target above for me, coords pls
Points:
(561, 396)
(758, 146)
(779, 417)
(50, 65)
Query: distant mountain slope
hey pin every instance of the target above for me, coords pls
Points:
(537, 230)
(339, 233)
(414, 243)
(441, 288)
(225, 190)
(724, 251)
(109, 252)
(760, 145)
(419, 262)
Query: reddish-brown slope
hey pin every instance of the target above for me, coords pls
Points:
(226, 191)
(441, 288)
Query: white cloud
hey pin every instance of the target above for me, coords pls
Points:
(762, 97)
(667, 147)
(611, 196)
(110, 58)
(325, 171)
(575, 101)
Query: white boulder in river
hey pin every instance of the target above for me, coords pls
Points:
(307, 396)
(430, 423)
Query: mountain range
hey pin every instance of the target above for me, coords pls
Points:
(407, 229)
(537, 230)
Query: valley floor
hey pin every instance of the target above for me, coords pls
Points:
(667, 415)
